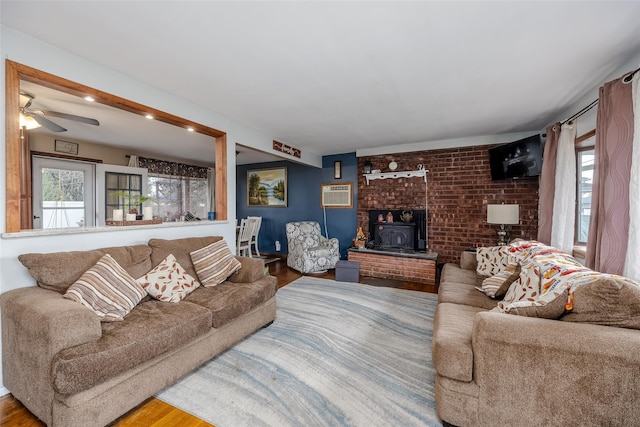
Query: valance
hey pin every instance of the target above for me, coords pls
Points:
(164, 167)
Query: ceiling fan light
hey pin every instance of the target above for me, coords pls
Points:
(149, 116)
(28, 122)
(89, 98)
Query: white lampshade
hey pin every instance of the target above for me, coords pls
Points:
(503, 214)
(28, 122)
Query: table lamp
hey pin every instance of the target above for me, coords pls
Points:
(503, 214)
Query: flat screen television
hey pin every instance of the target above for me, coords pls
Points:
(517, 159)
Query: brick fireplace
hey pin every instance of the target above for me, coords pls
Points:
(459, 188)
(418, 268)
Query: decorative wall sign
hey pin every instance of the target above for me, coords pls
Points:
(267, 187)
(284, 148)
(66, 147)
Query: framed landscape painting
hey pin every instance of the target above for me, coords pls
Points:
(267, 187)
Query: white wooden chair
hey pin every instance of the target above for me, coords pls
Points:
(257, 223)
(243, 245)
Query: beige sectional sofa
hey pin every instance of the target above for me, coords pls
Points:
(546, 366)
(70, 369)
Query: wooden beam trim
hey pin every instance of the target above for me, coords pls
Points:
(221, 178)
(585, 136)
(63, 85)
(12, 148)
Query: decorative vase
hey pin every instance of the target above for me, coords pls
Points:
(389, 217)
(407, 216)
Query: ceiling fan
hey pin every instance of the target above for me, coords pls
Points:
(39, 115)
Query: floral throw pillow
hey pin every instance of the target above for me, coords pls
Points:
(526, 298)
(526, 288)
(492, 260)
(168, 281)
(107, 289)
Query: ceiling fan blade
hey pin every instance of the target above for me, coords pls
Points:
(42, 121)
(73, 117)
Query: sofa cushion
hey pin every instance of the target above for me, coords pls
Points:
(180, 248)
(453, 273)
(214, 263)
(452, 350)
(492, 260)
(610, 300)
(152, 328)
(544, 309)
(497, 286)
(168, 281)
(460, 286)
(465, 294)
(59, 270)
(252, 269)
(230, 300)
(107, 289)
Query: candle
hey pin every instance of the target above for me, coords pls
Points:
(131, 217)
(117, 214)
(147, 213)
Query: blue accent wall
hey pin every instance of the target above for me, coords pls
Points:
(303, 202)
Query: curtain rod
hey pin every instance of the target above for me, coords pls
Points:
(626, 79)
(629, 77)
(581, 112)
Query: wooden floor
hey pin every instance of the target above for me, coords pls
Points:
(154, 412)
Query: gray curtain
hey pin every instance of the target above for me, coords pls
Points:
(548, 184)
(609, 223)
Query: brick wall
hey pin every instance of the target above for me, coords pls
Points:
(459, 190)
(397, 268)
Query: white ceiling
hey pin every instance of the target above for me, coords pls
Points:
(342, 76)
(122, 129)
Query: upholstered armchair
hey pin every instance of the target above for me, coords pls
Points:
(309, 250)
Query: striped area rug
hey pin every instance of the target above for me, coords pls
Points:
(338, 354)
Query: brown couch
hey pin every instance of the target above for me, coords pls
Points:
(70, 369)
(496, 369)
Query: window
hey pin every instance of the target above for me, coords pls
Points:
(62, 193)
(179, 191)
(178, 196)
(119, 184)
(584, 168)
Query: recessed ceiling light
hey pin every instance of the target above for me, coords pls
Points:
(149, 116)
(89, 98)
(190, 129)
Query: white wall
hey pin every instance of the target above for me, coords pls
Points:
(37, 54)
(587, 122)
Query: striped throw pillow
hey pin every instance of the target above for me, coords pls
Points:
(214, 263)
(107, 289)
(497, 286)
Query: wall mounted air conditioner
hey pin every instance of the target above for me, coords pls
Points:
(336, 195)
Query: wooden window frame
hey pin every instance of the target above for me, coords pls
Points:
(14, 72)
